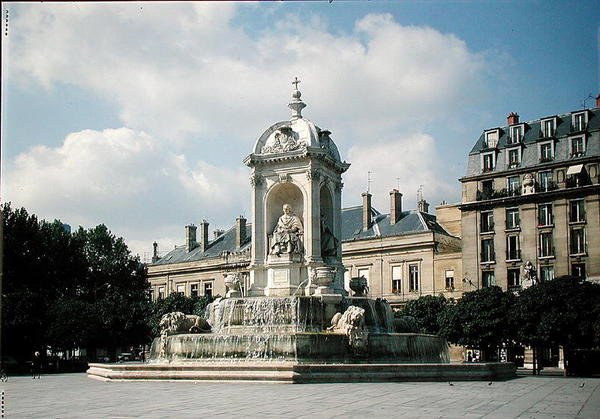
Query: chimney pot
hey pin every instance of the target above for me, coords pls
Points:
(155, 252)
(512, 118)
(366, 210)
(423, 206)
(395, 206)
(240, 231)
(203, 235)
(598, 101)
(190, 237)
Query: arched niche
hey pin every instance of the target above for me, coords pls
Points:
(328, 244)
(283, 193)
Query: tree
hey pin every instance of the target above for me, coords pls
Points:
(564, 312)
(425, 310)
(479, 320)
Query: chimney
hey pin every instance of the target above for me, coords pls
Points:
(190, 237)
(423, 205)
(598, 101)
(155, 252)
(395, 206)
(512, 118)
(203, 235)
(218, 233)
(366, 210)
(240, 231)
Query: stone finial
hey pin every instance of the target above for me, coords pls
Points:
(296, 105)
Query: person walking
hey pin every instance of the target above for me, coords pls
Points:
(36, 366)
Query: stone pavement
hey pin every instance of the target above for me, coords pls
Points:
(77, 396)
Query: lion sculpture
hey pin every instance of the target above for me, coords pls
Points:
(177, 322)
(352, 324)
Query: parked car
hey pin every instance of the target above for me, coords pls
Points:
(125, 357)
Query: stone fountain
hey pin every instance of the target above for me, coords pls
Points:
(296, 322)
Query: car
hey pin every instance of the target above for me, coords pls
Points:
(125, 356)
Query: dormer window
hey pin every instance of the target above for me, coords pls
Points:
(579, 121)
(577, 146)
(516, 134)
(488, 161)
(548, 127)
(491, 139)
(546, 151)
(513, 157)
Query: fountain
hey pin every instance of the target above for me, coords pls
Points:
(296, 322)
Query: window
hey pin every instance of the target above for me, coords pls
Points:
(396, 279)
(513, 250)
(546, 273)
(513, 157)
(512, 218)
(578, 270)
(513, 185)
(491, 139)
(487, 250)
(161, 293)
(545, 217)
(450, 279)
(181, 289)
(548, 127)
(577, 242)
(413, 273)
(516, 134)
(545, 181)
(208, 289)
(546, 244)
(579, 121)
(577, 211)
(364, 272)
(546, 152)
(513, 277)
(488, 279)
(577, 147)
(194, 290)
(487, 222)
(488, 161)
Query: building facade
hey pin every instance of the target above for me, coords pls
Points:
(530, 206)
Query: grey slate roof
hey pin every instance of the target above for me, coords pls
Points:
(411, 222)
(533, 130)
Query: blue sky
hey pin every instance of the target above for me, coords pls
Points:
(138, 115)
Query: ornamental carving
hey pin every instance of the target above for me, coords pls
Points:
(256, 180)
(313, 174)
(282, 141)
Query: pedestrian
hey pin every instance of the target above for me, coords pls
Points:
(36, 366)
(469, 357)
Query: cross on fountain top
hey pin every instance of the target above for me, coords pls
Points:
(295, 82)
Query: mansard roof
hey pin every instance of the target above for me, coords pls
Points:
(411, 222)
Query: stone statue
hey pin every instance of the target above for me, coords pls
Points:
(528, 184)
(177, 322)
(233, 282)
(529, 273)
(329, 243)
(352, 323)
(287, 236)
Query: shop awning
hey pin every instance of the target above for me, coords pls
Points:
(574, 170)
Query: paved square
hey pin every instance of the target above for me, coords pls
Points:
(77, 396)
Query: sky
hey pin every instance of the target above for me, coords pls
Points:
(138, 115)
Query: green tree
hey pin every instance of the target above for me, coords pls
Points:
(480, 319)
(426, 311)
(563, 312)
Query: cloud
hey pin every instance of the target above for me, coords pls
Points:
(194, 89)
(127, 180)
(405, 163)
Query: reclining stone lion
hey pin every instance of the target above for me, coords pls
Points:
(176, 323)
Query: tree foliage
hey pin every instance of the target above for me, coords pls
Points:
(480, 319)
(426, 310)
(66, 291)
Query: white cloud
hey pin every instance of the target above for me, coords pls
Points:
(188, 77)
(127, 180)
(413, 159)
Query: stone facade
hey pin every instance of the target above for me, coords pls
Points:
(531, 196)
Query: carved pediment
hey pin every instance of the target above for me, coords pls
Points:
(282, 141)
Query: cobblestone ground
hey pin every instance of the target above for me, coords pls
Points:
(76, 396)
